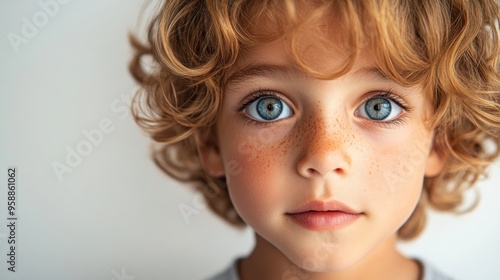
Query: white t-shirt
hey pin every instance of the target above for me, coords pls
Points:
(430, 273)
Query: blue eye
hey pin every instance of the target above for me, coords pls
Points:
(379, 109)
(268, 109)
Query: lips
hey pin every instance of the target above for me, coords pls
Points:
(321, 215)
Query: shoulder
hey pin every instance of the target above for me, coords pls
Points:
(230, 273)
(431, 273)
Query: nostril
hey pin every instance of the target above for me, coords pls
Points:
(340, 171)
(313, 171)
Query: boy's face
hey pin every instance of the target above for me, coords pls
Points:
(324, 170)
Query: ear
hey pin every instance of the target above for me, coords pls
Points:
(209, 153)
(437, 158)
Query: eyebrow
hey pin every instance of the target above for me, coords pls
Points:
(365, 74)
(266, 70)
(291, 72)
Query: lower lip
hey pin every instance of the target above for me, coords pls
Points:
(324, 220)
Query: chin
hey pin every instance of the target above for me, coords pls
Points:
(321, 257)
(328, 264)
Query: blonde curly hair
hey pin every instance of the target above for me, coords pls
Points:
(450, 46)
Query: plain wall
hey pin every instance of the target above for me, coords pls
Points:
(115, 213)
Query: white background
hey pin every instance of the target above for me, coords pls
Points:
(116, 214)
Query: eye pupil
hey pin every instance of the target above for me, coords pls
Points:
(269, 108)
(378, 108)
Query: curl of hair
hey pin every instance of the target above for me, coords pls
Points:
(450, 46)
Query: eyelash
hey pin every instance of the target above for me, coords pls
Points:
(254, 96)
(388, 94)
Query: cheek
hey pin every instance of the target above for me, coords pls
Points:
(396, 175)
(399, 166)
(257, 189)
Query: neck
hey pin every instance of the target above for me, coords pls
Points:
(384, 262)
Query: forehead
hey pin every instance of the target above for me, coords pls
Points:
(321, 54)
(275, 60)
(326, 38)
(314, 37)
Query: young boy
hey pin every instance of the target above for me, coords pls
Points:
(326, 126)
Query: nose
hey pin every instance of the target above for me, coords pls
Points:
(324, 147)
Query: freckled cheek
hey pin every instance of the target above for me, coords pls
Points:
(396, 181)
(258, 189)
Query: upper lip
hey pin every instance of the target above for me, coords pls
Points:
(323, 206)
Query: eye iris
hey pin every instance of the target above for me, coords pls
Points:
(378, 108)
(269, 108)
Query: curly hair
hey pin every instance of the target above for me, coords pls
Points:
(449, 46)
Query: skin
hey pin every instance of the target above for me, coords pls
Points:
(324, 150)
